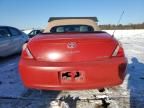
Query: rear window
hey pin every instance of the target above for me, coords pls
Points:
(71, 28)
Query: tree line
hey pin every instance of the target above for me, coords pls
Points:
(121, 26)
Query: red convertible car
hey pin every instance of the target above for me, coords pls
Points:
(72, 53)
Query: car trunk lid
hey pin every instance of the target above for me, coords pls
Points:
(72, 47)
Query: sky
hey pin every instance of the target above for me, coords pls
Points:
(35, 13)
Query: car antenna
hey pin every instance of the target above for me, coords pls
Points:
(118, 21)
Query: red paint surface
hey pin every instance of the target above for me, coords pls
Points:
(92, 57)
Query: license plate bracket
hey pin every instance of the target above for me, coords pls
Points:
(72, 76)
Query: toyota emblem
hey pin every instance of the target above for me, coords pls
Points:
(71, 45)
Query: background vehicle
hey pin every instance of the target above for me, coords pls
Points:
(11, 40)
(72, 54)
(34, 33)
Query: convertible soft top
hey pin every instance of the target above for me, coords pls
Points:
(58, 21)
(60, 18)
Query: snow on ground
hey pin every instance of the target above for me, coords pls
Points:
(133, 42)
(27, 31)
(129, 94)
(10, 83)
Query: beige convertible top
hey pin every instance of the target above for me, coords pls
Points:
(72, 21)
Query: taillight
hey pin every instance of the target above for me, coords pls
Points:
(118, 52)
(122, 70)
(26, 53)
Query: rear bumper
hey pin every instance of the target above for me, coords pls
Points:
(94, 74)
